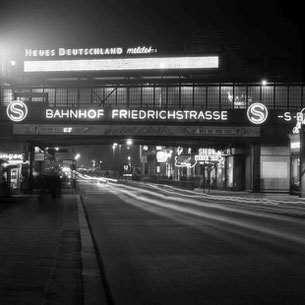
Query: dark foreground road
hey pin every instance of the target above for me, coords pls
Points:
(161, 248)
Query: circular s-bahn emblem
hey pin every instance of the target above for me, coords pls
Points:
(257, 113)
(17, 111)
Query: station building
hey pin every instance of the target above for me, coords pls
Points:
(193, 115)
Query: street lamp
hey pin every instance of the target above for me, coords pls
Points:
(114, 145)
(264, 82)
(76, 157)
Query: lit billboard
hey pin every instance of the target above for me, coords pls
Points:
(123, 64)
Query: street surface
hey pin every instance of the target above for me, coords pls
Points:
(159, 245)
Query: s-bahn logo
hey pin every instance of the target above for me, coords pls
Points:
(17, 111)
(257, 113)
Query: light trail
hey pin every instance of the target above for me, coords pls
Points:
(192, 215)
(203, 201)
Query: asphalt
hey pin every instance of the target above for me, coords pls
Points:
(47, 255)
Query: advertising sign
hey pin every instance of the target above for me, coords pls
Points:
(123, 64)
(135, 130)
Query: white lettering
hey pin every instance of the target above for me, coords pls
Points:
(193, 115)
(115, 113)
(224, 115)
(73, 113)
(208, 115)
(100, 113)
(287, 116)
(82, 113)
(201, 115)
(134, 114)
(179, 115)
(61, 51)
(171, 114)
(123, 114)
(150, 114)
(92, 114)
(161, 116)
(142, 114)
(49, 113)
(57, 113)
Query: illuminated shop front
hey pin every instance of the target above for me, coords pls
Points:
(206, 168)
(11, 169)
(295, 163)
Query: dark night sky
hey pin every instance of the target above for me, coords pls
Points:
(265, 25)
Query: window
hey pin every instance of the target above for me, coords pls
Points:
(213, 97)
(254, 94)
(135, 97)
(6, 96)
(267, 96)
(227, 98)
(281, 97)
(148, 97)
(200, 97)
(187, 97)
(160, 97)
(51, 96)
(110, 96)
(72, 99)
(98, 96)
(84, 97)
(173, 97)
(295, 93)
(121, 101)
(243, 100)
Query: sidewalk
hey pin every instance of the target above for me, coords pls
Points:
(40, 251)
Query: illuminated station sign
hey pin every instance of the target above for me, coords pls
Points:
(17, 111)
(136, 114)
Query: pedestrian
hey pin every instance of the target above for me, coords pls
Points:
(4, 187)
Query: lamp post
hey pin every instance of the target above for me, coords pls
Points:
(114, 145)
(76, 157)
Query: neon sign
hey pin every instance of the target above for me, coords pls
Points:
(8, 156)
(300, 121)
(88, 51)
(185, 161)
(207, 155)
(163, 156)
(123, 64)
(257, 113)
(17, 111)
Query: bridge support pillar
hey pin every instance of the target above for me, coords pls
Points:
(302, 163)
(256, 153)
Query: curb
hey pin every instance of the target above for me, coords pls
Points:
(94, 293)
